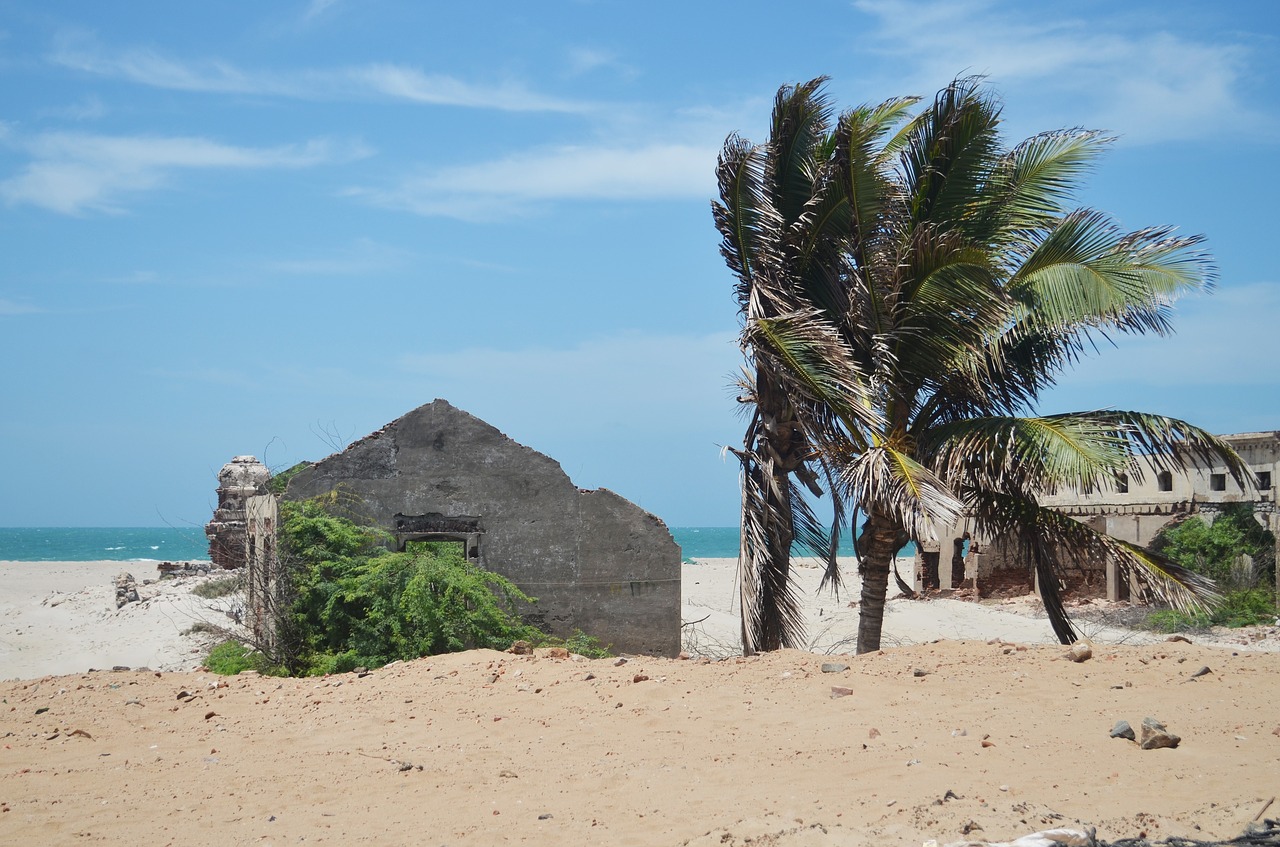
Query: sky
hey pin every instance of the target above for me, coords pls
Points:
(270, 228)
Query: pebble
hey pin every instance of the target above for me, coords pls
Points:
(834, 667)
(919, 672)
(1202, 672)
(838, 691)
(1080, 652)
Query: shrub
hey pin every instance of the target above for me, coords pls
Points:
(219, 587)
(579, 642)
(355, 603)
(230, 658)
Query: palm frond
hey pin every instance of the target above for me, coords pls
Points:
(888, 481)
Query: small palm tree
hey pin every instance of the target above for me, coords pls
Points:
(908, 288)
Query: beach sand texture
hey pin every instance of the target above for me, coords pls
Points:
(484, 748)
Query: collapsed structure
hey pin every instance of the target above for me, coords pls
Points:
(242, 534)
(595, 561)
(1135, 508)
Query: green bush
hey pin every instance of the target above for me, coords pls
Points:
(1248, 607)
(355, 603)
(230, 658)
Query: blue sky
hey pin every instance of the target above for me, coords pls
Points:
(272, 227)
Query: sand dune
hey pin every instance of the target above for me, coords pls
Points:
(951, 741)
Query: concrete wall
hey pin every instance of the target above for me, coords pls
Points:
(595, 561)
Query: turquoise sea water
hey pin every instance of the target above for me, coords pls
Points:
(166, 543)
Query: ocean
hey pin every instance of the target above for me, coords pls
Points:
(188, 543)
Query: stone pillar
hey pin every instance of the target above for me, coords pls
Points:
(242, 534)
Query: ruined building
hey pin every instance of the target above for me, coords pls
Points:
(593, 560)
(243, 534)
(1134, 508)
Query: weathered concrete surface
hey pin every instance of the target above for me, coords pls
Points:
(594, 560)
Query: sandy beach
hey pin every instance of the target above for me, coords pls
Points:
(984, 736)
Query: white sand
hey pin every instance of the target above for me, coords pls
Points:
(61, 617)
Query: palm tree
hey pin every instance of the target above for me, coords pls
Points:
(908, 288)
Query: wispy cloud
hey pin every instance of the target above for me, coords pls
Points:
(73, 173)
(364, 257)
(1121, 74)
(584, 60)
(515, 184)
(87, 109)
(317, 8)
(10, 307)
(1211, 346)
(377, 80)
(597, 384)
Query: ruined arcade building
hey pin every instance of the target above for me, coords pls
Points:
(1134, 508)
(594, 561)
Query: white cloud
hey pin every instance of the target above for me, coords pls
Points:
(510, 185)
(10, 307)
(1138, 80)
(1218, 341)
(74, 172)
(398, 82)
(87, 109)
(364, 257)
(630, 381)
(317, 8)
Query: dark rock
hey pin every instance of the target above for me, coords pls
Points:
(545, 816)
(838, 691)
(1123, 730)
(919, 672)
(1202, 672)
(1156, 736)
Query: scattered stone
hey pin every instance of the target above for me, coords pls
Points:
(505, 774)
(557, 653)
(545, 816)
(360, 671)
(834, 667)
(640, 677)
(838, 691)
(620, 661)
(986, 743)
(1123, 730)
(406, 766)
(1080, 652)
(1276, 731)
(684, 657)
(919, 672)
(874, 733)
(1204, 670)
(971, 826)
(493, 678)
(126, 589)
(1181, 638)
(590, 676)
(951, 795)
(957, 733)
(521, 648)
(43, 709)
(1004, 788)
(1155, 735)
(133, 702)
(208, 715)
(79, 733)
